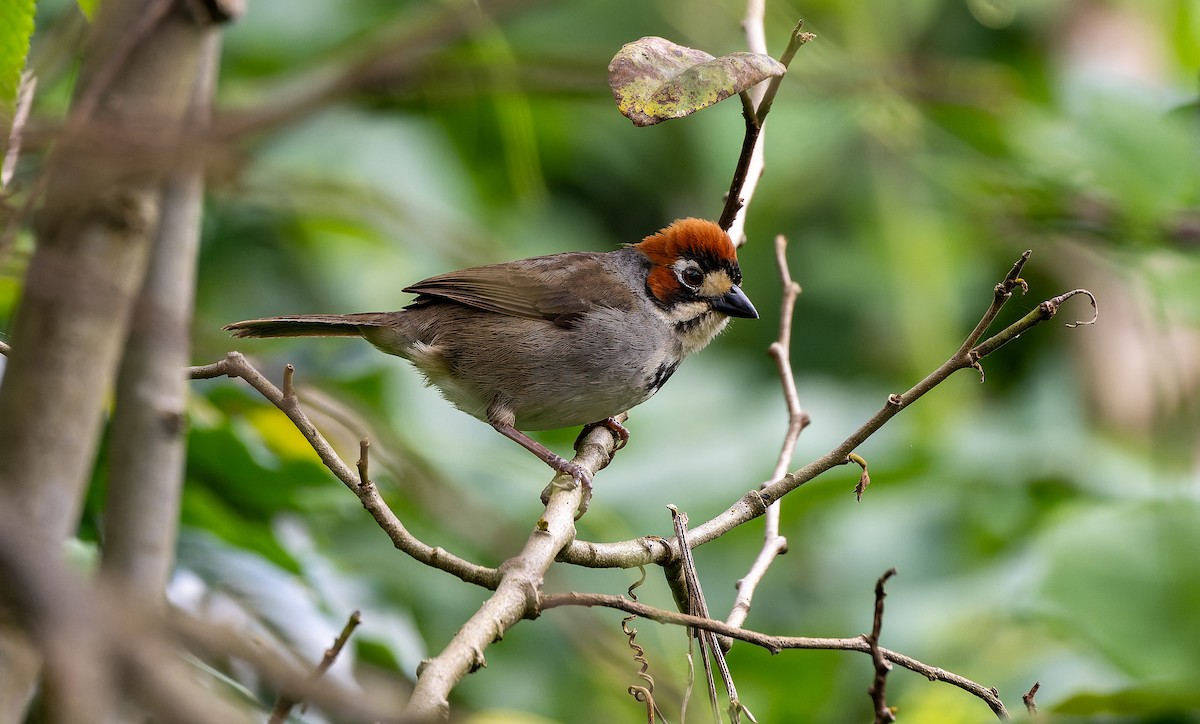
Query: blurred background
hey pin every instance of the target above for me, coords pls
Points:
(1045, 524)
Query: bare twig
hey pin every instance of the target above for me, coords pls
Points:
(1030, 704)
(1001, 294)
(1042, 312)
(364, 462)
(775, 644)
(695, 604)
(236, 365)
(517, 593)
(878, 689)
(749, 164)
(12, 150)
(643, 551)
(797, 39)
(285, 702)
(516, 582)
(289, 377)
(775, 544)
(710, 643)
(746, 176)
(5, 348)
(99, 644)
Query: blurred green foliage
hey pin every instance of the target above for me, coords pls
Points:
(1045, 525)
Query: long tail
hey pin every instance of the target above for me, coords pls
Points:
(311, 325)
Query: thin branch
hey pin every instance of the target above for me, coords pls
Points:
(733, 197)
(749, 164)
(12, 150)
(99, 644)
(776, 644)
(754, 27)
(774, 544)
(285, 702)
(797, 39)
(643, 551)
(1001, 294)
(236, 365)
(1046, 310)
(5, 348)
(517, 593)
(364, 463)
(694, 604)
(878, 689)
(1042, 312)
(710, 644)
(1030, 704)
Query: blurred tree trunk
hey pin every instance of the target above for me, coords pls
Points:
(148, 441)
(95, 230)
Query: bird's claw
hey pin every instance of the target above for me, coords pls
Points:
(613, 426)
(579, 477)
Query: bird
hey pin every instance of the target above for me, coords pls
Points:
(554, 341)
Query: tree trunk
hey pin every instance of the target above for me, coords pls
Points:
(94, 233)
(148, 442)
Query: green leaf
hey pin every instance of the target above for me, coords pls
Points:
(88, 8)
(16, 26)
(654, 80)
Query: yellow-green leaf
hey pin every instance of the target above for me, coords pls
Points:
(16, 27)
(653, 79)
(88, 8)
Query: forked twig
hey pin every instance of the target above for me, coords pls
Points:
(878, 689)
(1030, 704)
(755, 503)
(236, 365)
(710, 647)
(285, 703)
(775, 544)
(775, 644)
(755, 114)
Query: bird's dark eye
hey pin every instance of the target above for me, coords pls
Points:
(692, 276)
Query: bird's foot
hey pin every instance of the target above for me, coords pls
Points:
(617, 429)
(579, 477)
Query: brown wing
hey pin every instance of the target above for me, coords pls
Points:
(559, 287)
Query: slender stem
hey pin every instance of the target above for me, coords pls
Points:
(797, 39)
(1028, 698)
(774, 544)
(516, 594)
(755, 503)
(236, 365)
(776, 644)
(878, 688)
(285, 703)
(750, 161)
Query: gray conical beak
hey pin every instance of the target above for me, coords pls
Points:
(735, 303)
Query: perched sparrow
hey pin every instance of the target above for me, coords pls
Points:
(554, 341)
